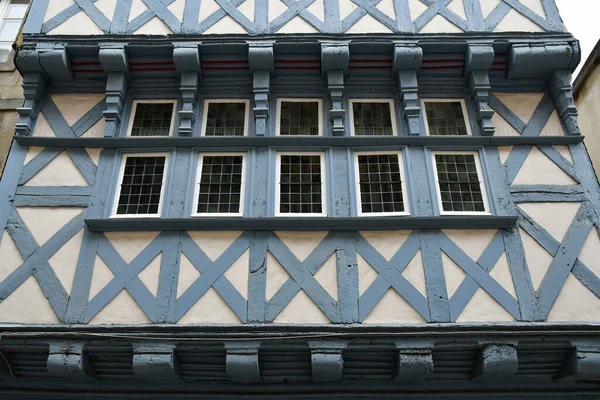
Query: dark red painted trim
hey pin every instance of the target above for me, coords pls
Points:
(366, 60)
(298, 61)
(225, 68)
(225, 62)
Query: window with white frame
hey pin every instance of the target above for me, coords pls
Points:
(225, 117)
(380, 185)
(446, 117)
(460, 185)
(299, 117)
(372, 117)
(12, 13)
(300, 188)
(141, 185)
(152, 118)
(220, 184)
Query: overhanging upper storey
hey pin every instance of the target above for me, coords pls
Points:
(259, 17)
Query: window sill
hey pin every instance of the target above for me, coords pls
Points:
(289, 141)
(301, 224)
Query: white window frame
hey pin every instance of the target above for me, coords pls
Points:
(146, 101)
(324, 207)
(405, 201)
(4, 5)
(205, 113)
(300, 100)
(392, 104)
(463, 105)
(117, 194)
(482, 183)
(197, 187)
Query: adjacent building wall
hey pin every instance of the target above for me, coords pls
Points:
(588, 104)
(11, 97)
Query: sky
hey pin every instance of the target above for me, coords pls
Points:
(582, 19)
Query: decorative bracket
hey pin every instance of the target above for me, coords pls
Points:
(54, 59)
(561, 90)
(113, 58)
(155, 361)
(261, 60)
(34, 84)
(242, 362)
(415, 360)
(478, 61)
(327, 360)
(496, 361)
(538, 60)
(187, 62)
(407, 60)
(335, 59)
(582, 362)
(69, 360)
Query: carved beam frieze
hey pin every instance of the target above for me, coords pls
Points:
(242, 362)
(155, 361)
(34, 84)
(406, 62)
(496, 362)
(327, 360)
(113, 58)
(261, 61)
(559, 85)
(478, 61)
(582, 362)
(69, 359)
(335, 59)
(187, 62)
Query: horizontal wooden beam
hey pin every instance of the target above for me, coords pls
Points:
(308, 141)
(301, 224)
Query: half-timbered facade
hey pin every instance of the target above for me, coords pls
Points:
(298, 198)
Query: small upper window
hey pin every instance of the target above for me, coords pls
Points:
(152, 118)
(373, 117)
(141, 188)
(446, 117)
(220, 185)
(380, 184)
(225, 118)
(300, 186)
(12, 13)
(299, 117)
(460, 186)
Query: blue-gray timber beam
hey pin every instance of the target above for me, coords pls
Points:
(496, 362)
(241, 363)
(113, 58)
(582, 362)
(478, 61)
(327, 360)
(335, 59)
(407, 61)
(155, 361)
(69, 359)
(261, 61)
(34, 85)
(415, 360)
(187, 62)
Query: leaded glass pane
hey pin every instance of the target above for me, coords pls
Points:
(446, 118)
(459, 183)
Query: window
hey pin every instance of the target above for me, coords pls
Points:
(225, 118)
(372, 117)
(152, 118)
(302, 117)
(300, 187)
(220, 185)
(460, 186)
(12, 13)
(380, 186)
(141, 185)
(446, 117)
